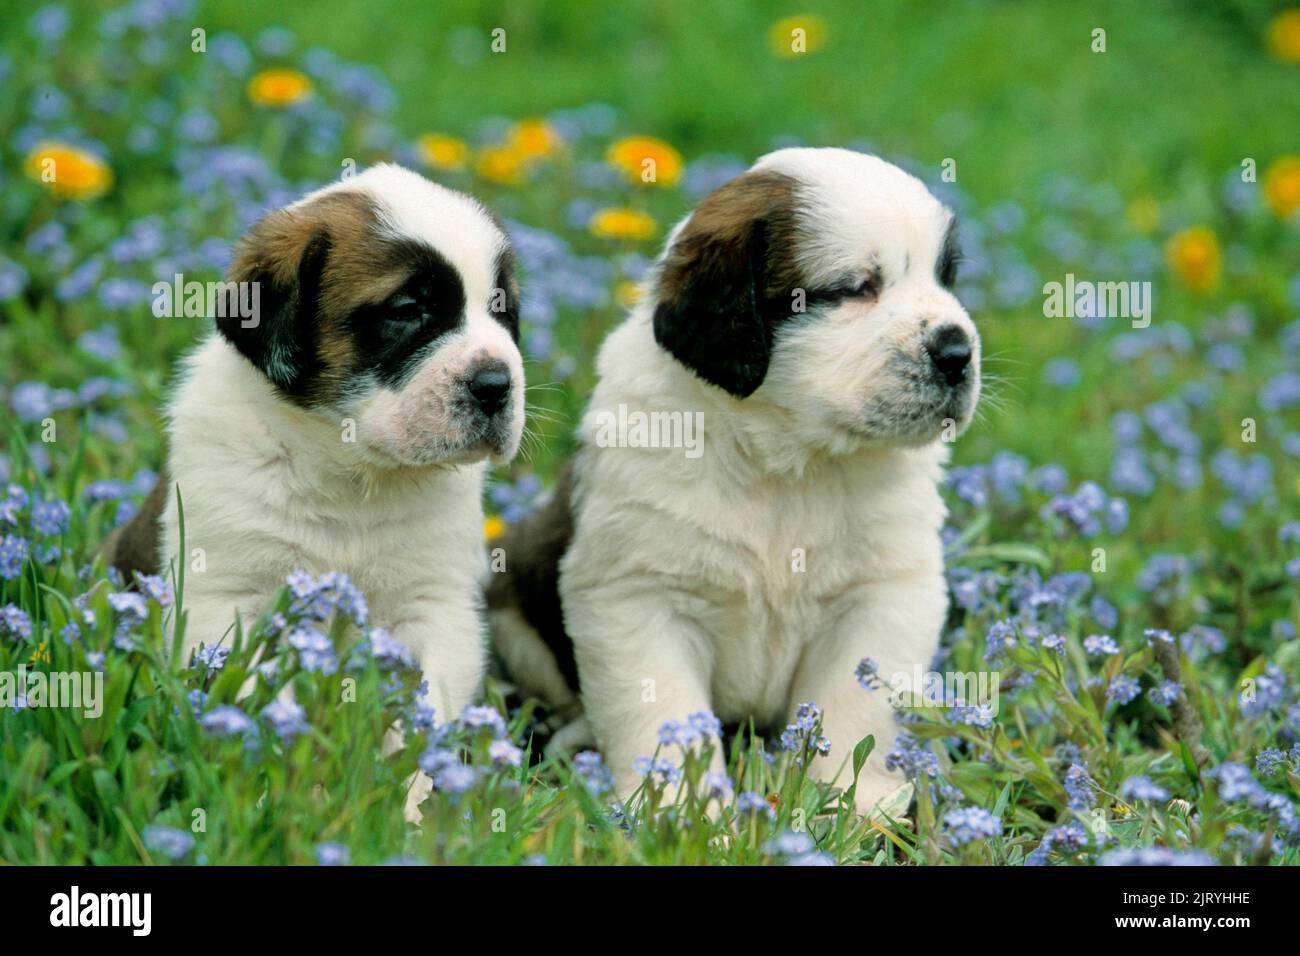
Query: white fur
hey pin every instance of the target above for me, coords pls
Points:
(680, 588)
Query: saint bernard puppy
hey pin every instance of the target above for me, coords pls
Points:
(348, 425)
(805, 311)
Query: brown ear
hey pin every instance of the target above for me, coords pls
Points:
(724, 282)
(285, 254)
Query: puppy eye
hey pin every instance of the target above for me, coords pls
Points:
(868, 288)
(404, 308)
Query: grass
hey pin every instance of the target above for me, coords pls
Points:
(1068, 161)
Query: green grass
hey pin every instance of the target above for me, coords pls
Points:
(1034, 120)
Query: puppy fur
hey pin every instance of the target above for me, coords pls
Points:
(349, 429)
(806, 536)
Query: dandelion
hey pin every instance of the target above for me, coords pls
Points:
(501, 164)
(969, 824)
(1282, 184)
(534, 138)
(1193, 255)
(794, 36)
(279, 87)
(493, 528)
(646, 160)
(622, 223)
(443, 153)
(69, 172)
(1284, 35)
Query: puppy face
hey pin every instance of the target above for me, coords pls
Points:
(390, 301)
(820, 282)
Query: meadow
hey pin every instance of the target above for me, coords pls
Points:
(1124, 536)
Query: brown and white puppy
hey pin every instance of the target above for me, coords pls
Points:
(347, 426)
(803, 315)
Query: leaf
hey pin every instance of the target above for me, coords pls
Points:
(861, 752)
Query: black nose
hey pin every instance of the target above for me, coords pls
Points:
(950, 352)
(490, 387)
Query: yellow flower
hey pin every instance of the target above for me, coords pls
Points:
(69, 172)
(795, 36)
(534, 138)
(493, 527)
(622, 223)
(501, 164)
(644, 159)
(1282, 186)
(442, 152)
(279, 87)
(1194, 256)
(1284, 35)
(1144, 213)
(627, 293)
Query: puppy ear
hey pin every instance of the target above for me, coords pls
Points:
(722, 281)
(286, 258)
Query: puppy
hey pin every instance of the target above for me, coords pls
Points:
(347, 426)
(805, 311)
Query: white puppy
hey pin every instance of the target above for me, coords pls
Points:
(346, 427)
(805, 311)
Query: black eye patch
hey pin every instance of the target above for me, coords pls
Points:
(945, 267)
(504, 302)
(388, 336)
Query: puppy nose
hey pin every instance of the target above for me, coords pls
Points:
(950, 352)
(490, 387)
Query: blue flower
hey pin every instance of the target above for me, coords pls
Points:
(1142, 788)
(14, 623)
(333, 854)
(169, 841)
(227, 721)
(1123, 689)
(968, 824)
(1155, 856)
(286, 718)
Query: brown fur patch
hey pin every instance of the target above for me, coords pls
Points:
(136, 545)
(728, 280)
(533, 549)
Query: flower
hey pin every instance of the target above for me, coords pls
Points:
(333, 854)
(503, 165)
(1123, 689)
(1097, 645)
(1142, 788)
(227, 721)
(445, 153)
(1193, 254)
(1155, 856)
(169, 841)
(646, 160)
(68, 171)
(14, 622)
(534, 138)
(1284, 35)
(968, 824)
(1282, 185)
(622, 223)
(493, 527)
(279, 87)
(794, 36)
(286, 718)
(505, 754)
